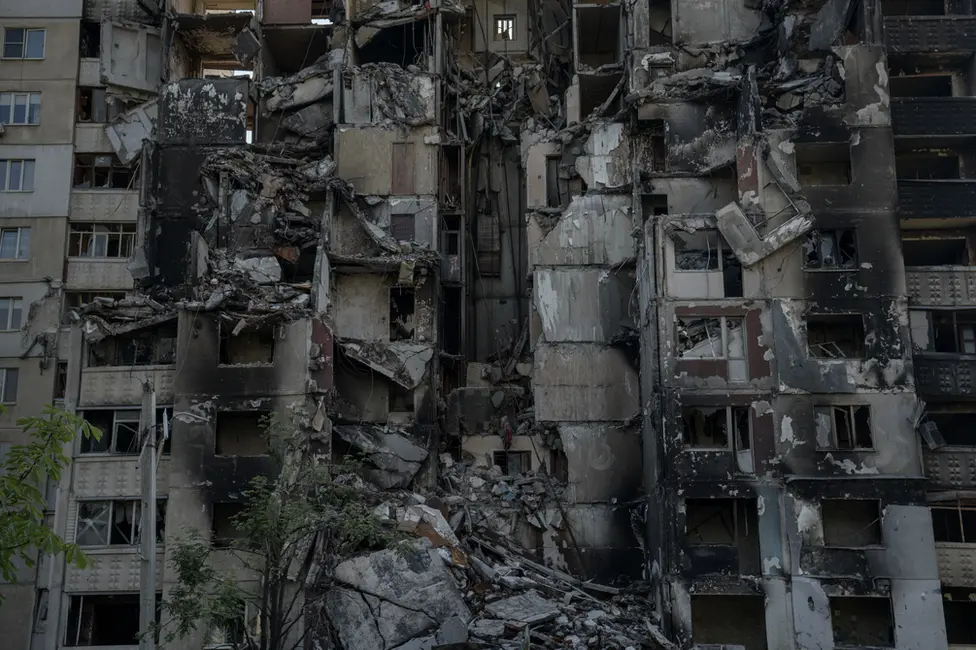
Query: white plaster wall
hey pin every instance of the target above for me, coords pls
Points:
(104, 206)
(362, 307)
(53, 168)
(88, 74)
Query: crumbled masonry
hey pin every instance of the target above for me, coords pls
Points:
(645, 325)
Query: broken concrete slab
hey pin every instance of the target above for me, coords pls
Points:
(396, 458)
(400, 361)
(312, 84)
(310, 121)
(390, 597)
(527, 609)
(261, 270)
(127, 132)
(746, 243)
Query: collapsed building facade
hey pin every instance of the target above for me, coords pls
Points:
(664, 303)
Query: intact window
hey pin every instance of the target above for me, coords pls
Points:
(843, 427)
(16, 175)
(8, 385)
(101, 240)
(14, 243)
(21, 43)
(11, 311)
(20, 109)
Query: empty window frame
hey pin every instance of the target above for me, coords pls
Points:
(504, 27)
(512, 463)
(103, 620)
(101, 240)
(953, 331)
(702, 250)
(835, 336)
(61, 381)
(719, 522)
(90, 43)
(823, 163)
(935, 252)
(224, 530)
(115, 523)
(11, 312)
(708, 427)
(120, 431)
(241, 433)
(21, 43)
(830, 249)
(728, 621)
(402, 227)
(251, 346)
(954, 422)
(94, 105)
(20, 109)
(8, 385)
(928, 165)
(851, 523)
(155, 346)
(861, 621)
(402, 325)
(15, 243)
(16, 175)
(922, 85)
(955, 522)
(843, 427)
(713, 339)
(959, 605)
(102, 172)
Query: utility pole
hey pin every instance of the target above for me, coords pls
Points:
(147, 535)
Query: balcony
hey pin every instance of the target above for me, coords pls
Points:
(930, 34)
(98, 274)
(940, 199)
(122, 385)
(93, 206)
(90, 138)
(944, 375)
(957, 564)
(110, 570)
(946, 116)
(88, 72)
(106, 477)
(941, 286)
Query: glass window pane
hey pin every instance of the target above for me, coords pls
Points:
(4, 313)
(28, 182)
(6, 102)
(34, 116)
(3, 176)
(8, 244)
(98, 245)
(23, 252)
(10, 385)
(35, 44)
(20, 109)
(16, 311)
(16, 167)
(13, 43)
(93, 526)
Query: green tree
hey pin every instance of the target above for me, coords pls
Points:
(24, 472)
(308, 506)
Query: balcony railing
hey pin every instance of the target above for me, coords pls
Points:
(940, 286)
(930, 33)
(933, 115)
(942, 199)
(944, 376)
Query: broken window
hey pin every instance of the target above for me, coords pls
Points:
(553, 195)
(225, 529)
(730, 527)
(954, 422)
(74, 300)
(598, 35)
(11, 312)
(698, 251)
(851, 523)
(726, 621)
(101, 240)
(504, 27)
(959, 605)
(489, 244)
(843, 427)
(41, 603)
(862, 621)
(955, 522)
(94, 105)
(400, 399)
(830, 249)
(713, 338)
(928, 165)
(14, 243)
(924, 85)
(102, 620)
(659, 23)
(20, 109)
(8, 385)
(709, 426)
(935, 252)
(512, 463)
(61, 381)
(952, 331)
(252, 346)
(558, 465)
(241, 433)
(16, 175)
(91, 39)
(826, 163)
(402, 324)
(102, 171)
(120, 431)
(402, 227)
(152, 346)
(115, 523)
(835, 336)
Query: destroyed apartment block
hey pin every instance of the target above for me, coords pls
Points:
(642, 325)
